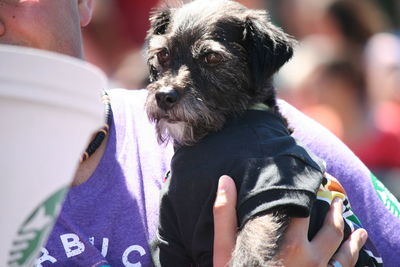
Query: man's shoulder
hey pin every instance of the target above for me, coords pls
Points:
(128, 102)
(128, 96)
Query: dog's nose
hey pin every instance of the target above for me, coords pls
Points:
(166, 99)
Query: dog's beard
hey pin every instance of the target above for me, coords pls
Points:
(186, 123)
(178, 131)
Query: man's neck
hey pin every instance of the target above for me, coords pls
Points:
(87, 167)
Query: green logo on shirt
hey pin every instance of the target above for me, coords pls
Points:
(34, 230)
(390, 201)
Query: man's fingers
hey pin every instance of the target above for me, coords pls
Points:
(225, 222)
(332, 230)
(349, 251)
(298, 228)
(295, 242)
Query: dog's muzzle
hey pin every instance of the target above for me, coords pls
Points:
(167, 97)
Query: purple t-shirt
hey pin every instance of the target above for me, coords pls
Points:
(109, 219)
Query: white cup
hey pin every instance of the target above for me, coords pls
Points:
(49, 108)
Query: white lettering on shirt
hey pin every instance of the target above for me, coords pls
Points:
(72, 245)
(104, 247)
(130, 249)
(44, 257)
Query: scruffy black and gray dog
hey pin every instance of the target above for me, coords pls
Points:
(211, 67)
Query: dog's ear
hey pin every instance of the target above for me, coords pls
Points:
(268, 46)
(159, 21)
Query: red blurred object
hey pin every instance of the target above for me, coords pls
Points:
(135, 17)
(379, 150)
(388, 117)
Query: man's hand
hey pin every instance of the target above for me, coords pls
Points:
(296, 249)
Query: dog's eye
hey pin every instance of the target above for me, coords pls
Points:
(153, 74)
(213, 58)
(163, 56)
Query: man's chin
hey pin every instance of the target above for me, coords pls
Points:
(6, 41)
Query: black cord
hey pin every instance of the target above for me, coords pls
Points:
(102, 133)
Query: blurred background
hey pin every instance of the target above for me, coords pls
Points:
(345, 73)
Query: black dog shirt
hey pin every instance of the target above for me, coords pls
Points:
(270, 168)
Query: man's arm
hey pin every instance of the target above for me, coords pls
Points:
(296, 249)
(377, 209)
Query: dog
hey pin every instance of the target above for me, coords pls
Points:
(242, 55)
(211, 66)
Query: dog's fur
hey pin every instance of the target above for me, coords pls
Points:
(210, 60)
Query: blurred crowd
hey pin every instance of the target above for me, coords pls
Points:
(345, 73)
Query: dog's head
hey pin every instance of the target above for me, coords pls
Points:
(208, 60)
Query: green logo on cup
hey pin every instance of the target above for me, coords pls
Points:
(390, 201)
(34, 231)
